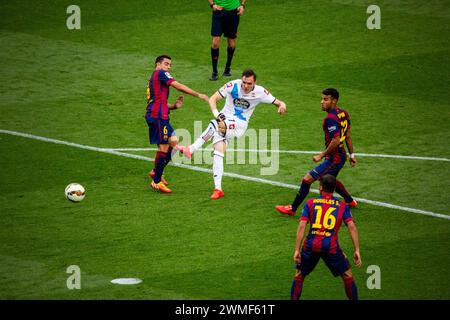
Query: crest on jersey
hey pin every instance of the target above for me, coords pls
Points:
(332, 128)
(241, 103)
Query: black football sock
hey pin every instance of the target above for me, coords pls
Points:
(340, 189)
(169, 155)
(160, 164)
(301, 195)
(214, 58)
(230, 53)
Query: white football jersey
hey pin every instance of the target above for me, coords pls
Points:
(241, 104)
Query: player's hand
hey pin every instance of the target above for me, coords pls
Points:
(282, 109)
(221, 117)
(179, 102)
(203, 97)
(216, 8)
(353, 161)
(316, 158)
(240, 10)
(357, 259)
(297, 257)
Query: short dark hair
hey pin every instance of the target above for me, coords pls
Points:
(331, 92)
(328, 183)
(249, 73)
(161, 58)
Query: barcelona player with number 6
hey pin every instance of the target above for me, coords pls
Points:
(336, 127)
(157, 117)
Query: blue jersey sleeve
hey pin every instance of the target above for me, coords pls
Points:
(165, 77)
(305, 212)
(333, 127)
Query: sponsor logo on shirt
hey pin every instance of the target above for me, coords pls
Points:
(332, 128)
(168, 75)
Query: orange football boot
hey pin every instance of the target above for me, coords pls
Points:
(160, 186)
(217, 194)
(285, 210)
(151, 174)
(184, 150)
(352, 204)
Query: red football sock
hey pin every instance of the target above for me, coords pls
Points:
(297, 286)
(350, 288)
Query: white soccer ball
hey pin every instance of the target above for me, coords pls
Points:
(75, 192)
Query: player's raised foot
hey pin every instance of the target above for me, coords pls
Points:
(217, 194)
(227, 72)
(184, 150)
(214, 76)
(160, 186)
(352, 204)
(151, 174)
(285, 210)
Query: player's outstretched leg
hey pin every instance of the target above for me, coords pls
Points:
(342, 191)
(206, 135)
(301, 195)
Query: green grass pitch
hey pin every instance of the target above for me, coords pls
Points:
(87, 86)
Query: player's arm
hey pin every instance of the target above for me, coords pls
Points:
(281, 106)
(213, 6)
(183, 88)
(213, 105)
(349, 143)
(355, 239)
(299, 240)
(330, 149)
(241, 8)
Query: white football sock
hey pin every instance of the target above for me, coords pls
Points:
(218, 169)
(204, 137)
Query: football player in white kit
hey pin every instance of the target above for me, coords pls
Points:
(242, 97)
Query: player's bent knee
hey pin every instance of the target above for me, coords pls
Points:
(308, 178)
(173, 141)
(347, 274)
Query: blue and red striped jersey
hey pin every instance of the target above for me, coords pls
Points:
(336, 124)
(157, 94)
(325, 214)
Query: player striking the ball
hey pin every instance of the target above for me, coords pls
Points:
(242, 97)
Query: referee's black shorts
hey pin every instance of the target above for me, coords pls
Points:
(225, 22)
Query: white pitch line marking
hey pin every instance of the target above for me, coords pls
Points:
(374, 155)
(227, 174)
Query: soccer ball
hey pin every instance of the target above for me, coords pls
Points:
(75, 192)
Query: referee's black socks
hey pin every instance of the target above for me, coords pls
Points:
(214, 58)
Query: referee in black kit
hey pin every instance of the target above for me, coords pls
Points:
(225, 20)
